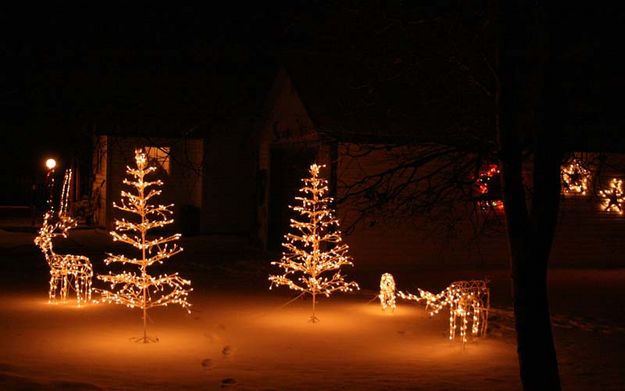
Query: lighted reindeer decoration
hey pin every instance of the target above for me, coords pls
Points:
(468, 301)
(67, 272)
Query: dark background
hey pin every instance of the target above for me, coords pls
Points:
(70, 72)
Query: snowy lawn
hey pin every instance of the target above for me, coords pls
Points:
(241, 335)
(244, 342)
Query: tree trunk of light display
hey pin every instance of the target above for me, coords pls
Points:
(524, 87)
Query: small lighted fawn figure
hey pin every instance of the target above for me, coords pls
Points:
(387, 291)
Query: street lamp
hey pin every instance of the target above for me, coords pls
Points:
(50, 165)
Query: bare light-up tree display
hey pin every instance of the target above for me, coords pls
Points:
(142, 290)
(315, 247)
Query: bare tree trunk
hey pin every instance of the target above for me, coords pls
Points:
(530, 232)
(530, 238)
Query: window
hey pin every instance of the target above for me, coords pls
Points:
(159, 156)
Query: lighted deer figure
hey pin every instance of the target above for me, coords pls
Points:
(468, 301)
(67, 272)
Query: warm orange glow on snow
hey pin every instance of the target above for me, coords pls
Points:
(251, 338)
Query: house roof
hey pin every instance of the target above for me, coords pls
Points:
(433, 100)
(352, 102)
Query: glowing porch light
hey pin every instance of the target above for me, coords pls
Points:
(612, 198)
(387, 291)
(50, 164)
(142, 290)
(315, 247)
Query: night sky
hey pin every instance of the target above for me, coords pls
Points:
(67, 65)
(70, 72)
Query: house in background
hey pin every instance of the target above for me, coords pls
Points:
(318, 112)
(237, 178)
(211, 177)
(179, 165)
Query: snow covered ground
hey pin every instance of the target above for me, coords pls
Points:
(241, 336)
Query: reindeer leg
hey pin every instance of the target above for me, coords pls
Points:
(52, 290)
(64, 288)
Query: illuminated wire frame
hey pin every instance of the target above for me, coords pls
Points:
(316, 246)
(613, 198)
(67, 272)
(468, 301)
(387, 291)
(142, 290)
(575, 178)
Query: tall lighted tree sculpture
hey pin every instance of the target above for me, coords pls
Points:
(140, 289)
(315, 248)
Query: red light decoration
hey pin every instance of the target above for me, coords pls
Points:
(486, 187)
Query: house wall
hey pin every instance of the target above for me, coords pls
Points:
(411, 240)
(99, 193)
(585, 235)
(182, 186)
(230, 180)
(288, 144)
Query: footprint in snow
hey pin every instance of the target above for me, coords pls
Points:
(207, 363)
(228, 382)
(227, 351)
